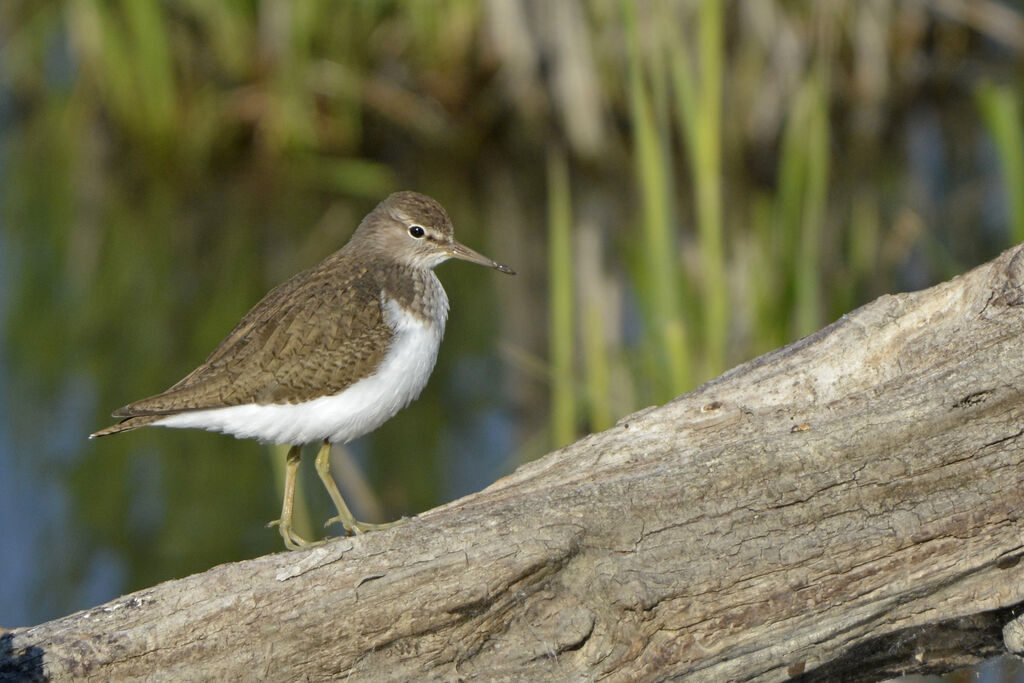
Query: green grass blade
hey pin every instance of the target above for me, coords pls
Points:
(699, 102)
(1001, 111)
(803, 188)
(808, 271)
(562, 311)
(661, 293)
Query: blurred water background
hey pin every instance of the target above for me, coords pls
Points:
(681, 185)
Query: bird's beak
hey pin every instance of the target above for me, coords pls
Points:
(461, 251)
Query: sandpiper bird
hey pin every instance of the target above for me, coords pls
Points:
(329, 355)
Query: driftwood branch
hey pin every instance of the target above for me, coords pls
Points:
(847, 506)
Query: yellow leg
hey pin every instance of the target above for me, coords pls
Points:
(344, 516)
(292, 540)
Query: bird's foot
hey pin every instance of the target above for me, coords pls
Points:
(292, 540)
(354, 527)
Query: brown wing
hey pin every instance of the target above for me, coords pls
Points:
(309, 336)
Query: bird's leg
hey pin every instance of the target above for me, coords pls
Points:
(344, 516)
(292, 540)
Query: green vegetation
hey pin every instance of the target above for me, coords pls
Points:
(563, 312)
(1001, 109)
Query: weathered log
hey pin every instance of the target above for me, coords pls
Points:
(849, 505)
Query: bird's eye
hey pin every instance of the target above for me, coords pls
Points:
(416, 231)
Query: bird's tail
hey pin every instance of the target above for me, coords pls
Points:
(127, 424)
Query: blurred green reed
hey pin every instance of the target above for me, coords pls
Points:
(698, 96)
(801, 201)
(1001, 111)
(127, 44)
(658, 278)
(561, 307)
(674, 68)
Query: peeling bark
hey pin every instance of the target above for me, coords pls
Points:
(847, 506)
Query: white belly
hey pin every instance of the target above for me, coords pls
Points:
(339, 418)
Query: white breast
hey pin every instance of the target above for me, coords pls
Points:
(357, 410)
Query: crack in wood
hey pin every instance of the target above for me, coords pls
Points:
(974, 399)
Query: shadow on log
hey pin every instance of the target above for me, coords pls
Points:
(849, 505)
